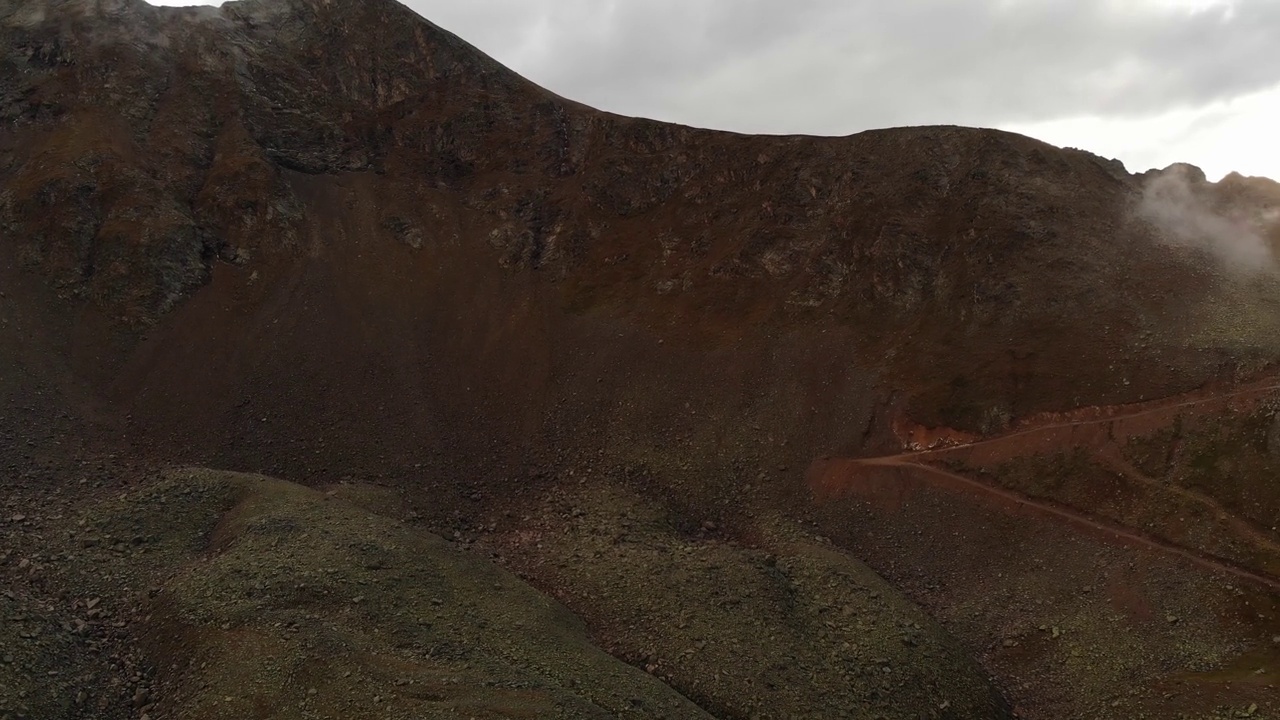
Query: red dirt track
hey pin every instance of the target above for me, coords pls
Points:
(1099, 434)
(833, 475)
(971, 537)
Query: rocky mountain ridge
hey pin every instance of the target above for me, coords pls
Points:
(329, 241)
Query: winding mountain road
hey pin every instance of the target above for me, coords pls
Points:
(917, 462)
(1087, 523)
(1159, 407)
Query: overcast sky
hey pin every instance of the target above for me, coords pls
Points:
(1148, 81)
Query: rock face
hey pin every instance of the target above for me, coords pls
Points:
(329, 241)
(381, 185)
(144, 147)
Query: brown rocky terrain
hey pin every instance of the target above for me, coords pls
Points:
(627, 399)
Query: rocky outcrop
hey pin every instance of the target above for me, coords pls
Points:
(147, 145)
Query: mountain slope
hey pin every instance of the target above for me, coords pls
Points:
(329, 241)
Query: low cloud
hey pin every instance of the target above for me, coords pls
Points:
(1180, 204)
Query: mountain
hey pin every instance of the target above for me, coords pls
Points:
(684, 382)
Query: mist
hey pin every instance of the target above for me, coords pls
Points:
(1179, 203)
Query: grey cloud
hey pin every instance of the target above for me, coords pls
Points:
(837, 66)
